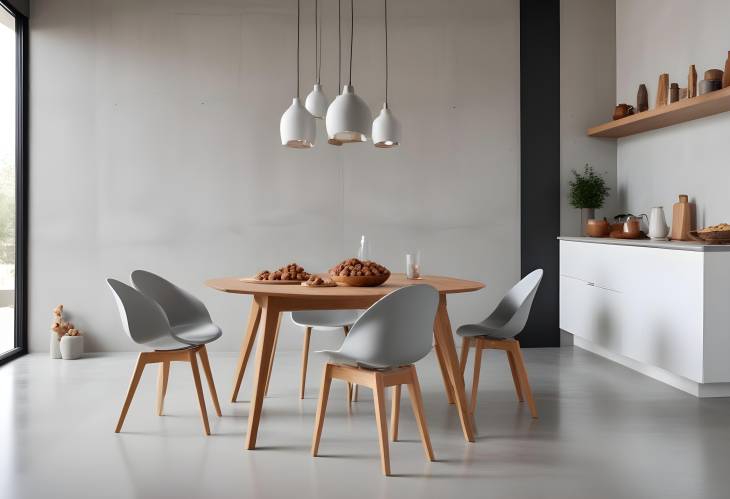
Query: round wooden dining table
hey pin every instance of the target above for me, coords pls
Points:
(271, 300)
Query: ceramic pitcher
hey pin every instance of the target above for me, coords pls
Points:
(658, 228)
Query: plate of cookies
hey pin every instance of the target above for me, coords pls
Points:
(288, 274)
(355, 272)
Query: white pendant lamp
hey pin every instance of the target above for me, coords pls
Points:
(333, 141)
(348, 117)
(386, 129)
(297, 126)
(317, 101)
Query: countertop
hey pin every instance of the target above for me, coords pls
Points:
(648, 243)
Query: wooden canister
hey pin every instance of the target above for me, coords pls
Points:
(682, 213)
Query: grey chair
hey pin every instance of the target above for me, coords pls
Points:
(176, 328)
(498, 332)
(378, 352)
(326, 320)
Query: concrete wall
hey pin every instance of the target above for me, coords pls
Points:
(155, 145)
(666, 36)
(587, 97)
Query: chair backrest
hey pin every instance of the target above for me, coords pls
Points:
(143, 319)
(514, 309)
(397, 330)
(180, 306)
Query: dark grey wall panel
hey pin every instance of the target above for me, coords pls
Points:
(540, 170)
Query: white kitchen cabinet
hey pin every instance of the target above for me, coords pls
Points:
(658, 308)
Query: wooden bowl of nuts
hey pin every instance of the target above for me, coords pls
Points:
(714, 234)
(360, 273)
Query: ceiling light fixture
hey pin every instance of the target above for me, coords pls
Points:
(348, 117)
(386, 129)
(297, 127)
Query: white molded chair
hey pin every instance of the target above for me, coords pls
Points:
(326, 320)
(177, 327)
(498, 331)
(378, 352)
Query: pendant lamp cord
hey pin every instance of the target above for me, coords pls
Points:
(339, 47)
(298, 16)
(317, 42)
(352, 35)
(385, 3)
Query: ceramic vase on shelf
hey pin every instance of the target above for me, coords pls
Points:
(72, 347)
(55, 346)
(585, 215)
(658, 229)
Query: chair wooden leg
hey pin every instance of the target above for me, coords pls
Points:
(130, 392)
(465, 344)
(475, 379)
(199, 391)
(524, 381)
(515, 375)
(324, 393)
(203, 352)
(444, 373)
(382, 423)
(273, 352)
(305, 359)
(162, 376)
(414, 392)
(395, 413)
(351, 388)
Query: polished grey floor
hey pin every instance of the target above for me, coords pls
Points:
(604, 432)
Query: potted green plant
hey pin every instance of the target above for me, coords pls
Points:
(587, 191)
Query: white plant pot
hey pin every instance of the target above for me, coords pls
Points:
(72, 347)
(55, 346)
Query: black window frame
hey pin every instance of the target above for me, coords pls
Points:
(21, 187)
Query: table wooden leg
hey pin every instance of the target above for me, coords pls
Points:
(445, 340)
(253, 325)
(269, 320)
(444, 374)
(273, 352)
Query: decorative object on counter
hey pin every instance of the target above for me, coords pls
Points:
(726, 74)
(673, 93)
(598, 228)
(622, 111)
(356, 272)
(662, 92)
(587, 191)
(714, 75)
(692, 82)
(682, 93)
(714, 234)
(631, 228)
(682, 214)
(642, 99)
(72, 345)
(707, 86)
(658, 229)
(413, 265)
(292, 272)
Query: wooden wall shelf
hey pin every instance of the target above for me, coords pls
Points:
(671, 114)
